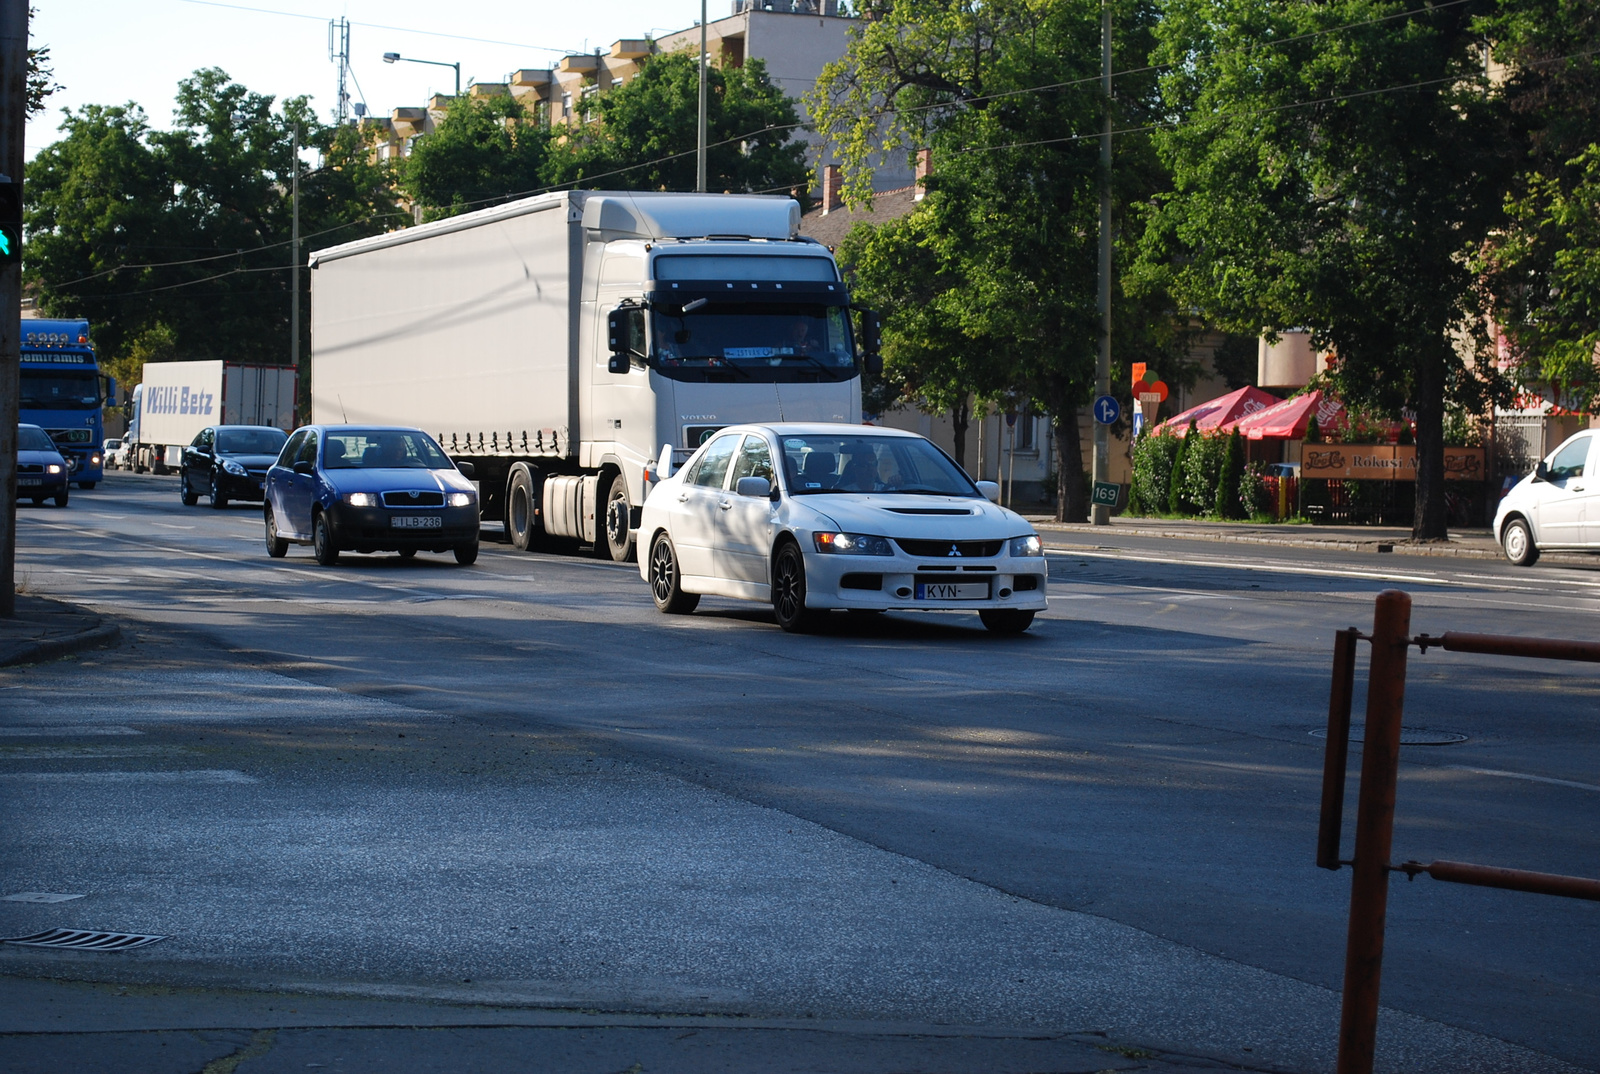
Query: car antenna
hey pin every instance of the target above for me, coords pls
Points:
(779, 394)
(342, 416)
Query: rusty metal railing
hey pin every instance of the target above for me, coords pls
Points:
(1375, 798)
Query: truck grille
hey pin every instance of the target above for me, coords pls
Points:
(950, 549)
(413, 499)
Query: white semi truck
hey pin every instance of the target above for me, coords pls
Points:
(560, 342)
(175, 400)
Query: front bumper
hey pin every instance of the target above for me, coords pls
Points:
(372, 529)
(247, 487)
(842, 581)
(38, 486)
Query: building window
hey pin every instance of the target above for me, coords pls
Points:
(566, 105)
(616, 83)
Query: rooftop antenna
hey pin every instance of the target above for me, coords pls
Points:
(339, 53)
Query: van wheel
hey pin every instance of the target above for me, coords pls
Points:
(1006, 620)
(618, 517)
(277, 547)
(322, 542)
(789, 591)
(666, 580)
(1517, 540)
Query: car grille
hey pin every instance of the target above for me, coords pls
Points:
(30, 468)
(413, 499)
(951, 549)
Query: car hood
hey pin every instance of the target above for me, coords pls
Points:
(935, 517)
(400, 479)
(40, 458)
(251, 461)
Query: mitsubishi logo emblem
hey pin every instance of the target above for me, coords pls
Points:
(954, 551)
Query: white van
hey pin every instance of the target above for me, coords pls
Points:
(1557, 507)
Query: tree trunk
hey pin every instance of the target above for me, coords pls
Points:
(1072, 499)
(960, 421)
(1432, 519)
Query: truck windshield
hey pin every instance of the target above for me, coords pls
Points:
(754, 341)
(59, 389)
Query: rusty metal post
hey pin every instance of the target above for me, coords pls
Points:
(1336, 753)
(1369, 887)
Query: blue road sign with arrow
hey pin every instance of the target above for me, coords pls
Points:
(1107, 410)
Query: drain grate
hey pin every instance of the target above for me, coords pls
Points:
(1409, 736)
(84, 940)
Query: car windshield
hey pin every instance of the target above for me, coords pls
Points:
(726, 341)
(879, 464)
(250, 441)
(31, 438)
(57, 389)
(383, 449)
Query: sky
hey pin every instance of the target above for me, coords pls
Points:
(116, 51)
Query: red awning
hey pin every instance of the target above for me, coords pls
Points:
(1289, 419)
(1210, 416)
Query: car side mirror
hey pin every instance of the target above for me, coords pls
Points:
(301, 466)
(664, 463)
(758, 488)
(990, 490)
(466, 468)
(1541, 472)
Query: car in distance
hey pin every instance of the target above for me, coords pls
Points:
(41, 470)
(1555, 507)
(360, 488)
(816, 517)
(112, 451)
(228, 462)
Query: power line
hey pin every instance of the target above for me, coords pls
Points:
(381, 26)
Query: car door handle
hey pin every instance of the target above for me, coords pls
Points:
(1575, 488)
(725, 505)
(683, 497)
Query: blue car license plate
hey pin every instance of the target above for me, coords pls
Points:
(952, 590)
(417, 522)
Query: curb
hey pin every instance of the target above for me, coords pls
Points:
(54, 648)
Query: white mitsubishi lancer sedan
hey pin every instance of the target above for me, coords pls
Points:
(818, 517)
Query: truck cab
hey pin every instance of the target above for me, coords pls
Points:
(63, 392)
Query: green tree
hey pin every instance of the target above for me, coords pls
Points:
(642, 134)
(41, 76)
(1335, 165)
(1229, 504)
(482, 151)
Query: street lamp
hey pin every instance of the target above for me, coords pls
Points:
(395, 57)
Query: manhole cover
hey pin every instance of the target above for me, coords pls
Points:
(83, 940)
(1409, 736)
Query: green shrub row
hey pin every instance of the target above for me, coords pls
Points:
(1195, 475)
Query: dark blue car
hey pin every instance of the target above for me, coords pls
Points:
(362, 488)
(41, 470)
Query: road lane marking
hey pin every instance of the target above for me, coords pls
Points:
(190, 775)
(1522, 775)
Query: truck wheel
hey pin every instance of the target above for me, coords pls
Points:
(322, 542)
(1517, 540)
(619, 515)
(467, 553)
(188, 495)
(277, 547)
(1006, 620)
(218, 500)
(521, 522)
(789, 591)
(666, 580)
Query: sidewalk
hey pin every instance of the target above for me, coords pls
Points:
(46, 629)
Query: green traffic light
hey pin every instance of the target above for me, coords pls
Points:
(5, 244)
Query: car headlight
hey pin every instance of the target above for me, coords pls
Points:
(233, 467)
(361, 499)
(1027, 546)
(53, 468)
(460, 499)
(852, 544)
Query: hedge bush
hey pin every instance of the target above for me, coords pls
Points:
(1203, 459)
(1153, 457)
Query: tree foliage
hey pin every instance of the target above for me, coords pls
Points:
(482, 151)
(41, 76)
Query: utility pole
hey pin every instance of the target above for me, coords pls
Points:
(1099, 514)
(13, 105)
(302, 400)
(700, 144)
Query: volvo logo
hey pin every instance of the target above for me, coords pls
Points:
(954, 551)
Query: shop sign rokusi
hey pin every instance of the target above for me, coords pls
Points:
(1384, 462)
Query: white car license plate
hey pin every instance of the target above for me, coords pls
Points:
(952, 590)
(30, 480)
(417, 522)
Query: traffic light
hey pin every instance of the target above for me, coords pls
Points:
(10, 222)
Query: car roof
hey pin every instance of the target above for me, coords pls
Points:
(274, 428)
(824, 428)
(355, 427)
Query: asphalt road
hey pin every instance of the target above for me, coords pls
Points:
(518, 784)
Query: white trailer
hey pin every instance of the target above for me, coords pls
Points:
(560, 342)
(175, 400)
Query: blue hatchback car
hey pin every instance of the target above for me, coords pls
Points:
(41, 471)
(360, 488)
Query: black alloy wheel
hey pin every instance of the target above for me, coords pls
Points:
(789, 591)
(322, 542)
(218, 500)
(467, 553)
(1517, 540)
(277, 547)
(187, 495)
(1006, 620)
(618, 517)
(666, 580)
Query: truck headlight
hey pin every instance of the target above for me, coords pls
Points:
(361, 499)
(233, 467)
(1026, 546)
(852, 544)
(460, 499)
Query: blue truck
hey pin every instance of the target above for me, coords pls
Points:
(64, 392)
